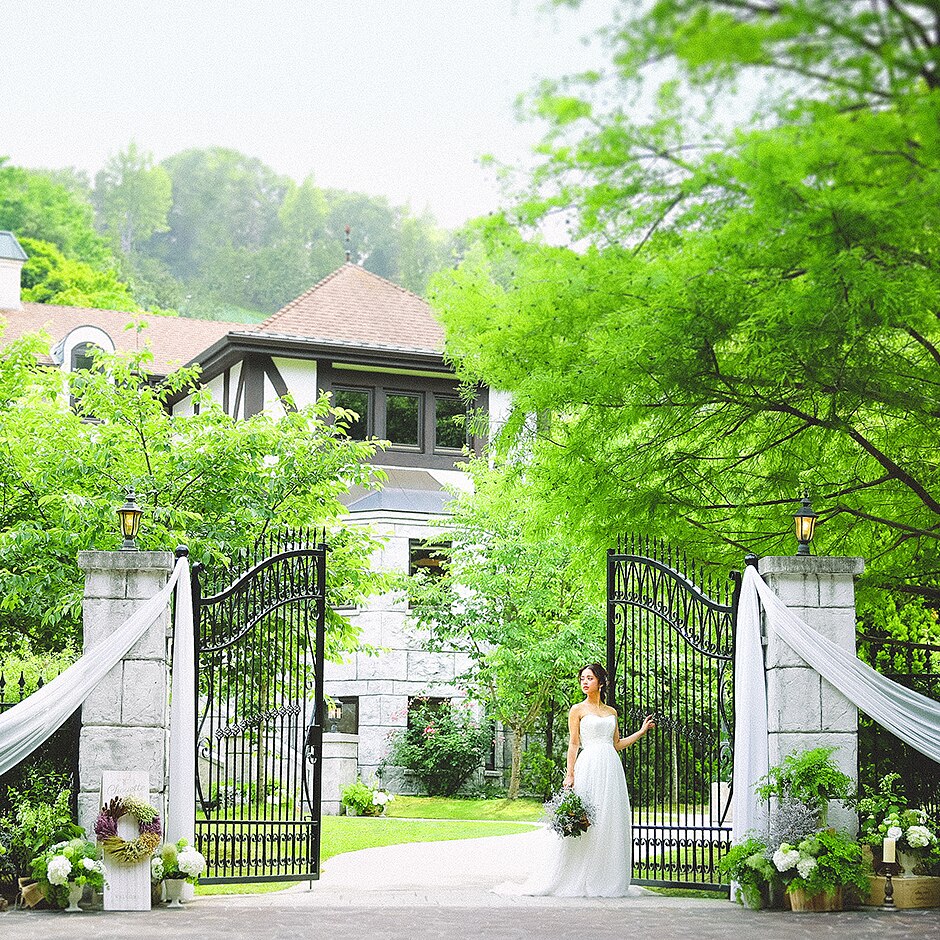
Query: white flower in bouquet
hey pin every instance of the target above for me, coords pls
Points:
(156, 868)
(191, 862)
(805, 865)
(895, 832)
(58, 870)
(91, 865)
(786, 857)
(918, 837)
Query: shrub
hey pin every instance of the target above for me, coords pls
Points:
(365, 800)
(442, 746)
(541, 774)
(748, 865)
(33, 826)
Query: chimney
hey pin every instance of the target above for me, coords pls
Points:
(12, 259)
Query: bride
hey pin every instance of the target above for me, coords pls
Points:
(597, 863)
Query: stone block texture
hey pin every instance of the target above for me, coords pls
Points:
(125, 719)
(805, 711)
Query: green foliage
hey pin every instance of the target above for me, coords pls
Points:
(32, 827)
(810, 777)
(365, 800)
(540, 774)
(50, 278)
(749, 314)
(827, 860)
(510, 601)
(748, 865)
(442, 745)
(208, 480)
(133, 198)
(42, 205)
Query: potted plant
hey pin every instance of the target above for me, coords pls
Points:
(749, 868)
(360, 799)
(886, 815)
(814, 862)
(175, 864)
(64, 869)
(818, 869)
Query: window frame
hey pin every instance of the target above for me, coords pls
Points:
(405, 393)
(370, 405)
(440, 448)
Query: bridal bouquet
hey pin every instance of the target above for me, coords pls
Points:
(568, 814)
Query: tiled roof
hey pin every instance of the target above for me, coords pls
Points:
(174, 341)
(352, 305)
(10, 248)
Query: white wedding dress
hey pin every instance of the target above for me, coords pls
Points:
(597, 863)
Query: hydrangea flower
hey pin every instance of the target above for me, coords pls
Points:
(919, 837)
(58, 870)
(191, 862)
(786, 857)
(805, 865)
(156, 868)
(895, 832)
(379, 798)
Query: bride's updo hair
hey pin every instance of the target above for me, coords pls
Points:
(600, 673)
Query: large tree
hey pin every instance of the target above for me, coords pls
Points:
(752, 312)
(133, 198)
(510, 601)
(209, 481)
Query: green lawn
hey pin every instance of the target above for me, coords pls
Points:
(412, 819)
(439, 807)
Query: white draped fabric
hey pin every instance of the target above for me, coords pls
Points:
(912, 717)
(181, 789)
(28, 724)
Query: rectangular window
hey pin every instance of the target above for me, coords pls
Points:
(358, 400)
(342, 717)
(423, 556)
(450, 423)
(403, 419)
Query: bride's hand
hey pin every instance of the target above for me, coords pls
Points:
(569, 781)
(648, 724)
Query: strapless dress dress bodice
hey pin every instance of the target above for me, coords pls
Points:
(597, 729)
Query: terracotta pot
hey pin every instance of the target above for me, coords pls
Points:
(824, 901)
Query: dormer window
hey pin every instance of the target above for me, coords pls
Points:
(83, 357)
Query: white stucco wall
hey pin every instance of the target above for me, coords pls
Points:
(10, 270)
(300, 376)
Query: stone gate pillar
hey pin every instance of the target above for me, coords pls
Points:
(803, 710)
(125, 720)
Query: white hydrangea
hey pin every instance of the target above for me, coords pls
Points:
(805, 865)
(919, 837)
(895, 832)
(785, 857)
(379, 798)
(58, 870)
(156, 868)
(191, 862)
(90, 864)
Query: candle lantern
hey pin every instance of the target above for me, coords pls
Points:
(129, 515)
(805, 524)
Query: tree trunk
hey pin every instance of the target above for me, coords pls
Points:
(549, 745)
(515, 773)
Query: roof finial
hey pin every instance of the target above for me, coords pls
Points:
(348, 251)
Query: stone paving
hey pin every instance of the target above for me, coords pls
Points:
(442, 890)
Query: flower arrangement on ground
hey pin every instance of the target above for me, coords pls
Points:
(177, 861)
(568, 814)
(360, 799)
(886, 815)
(808, 858)
(749, 867)
(75, 862)
(822, 863)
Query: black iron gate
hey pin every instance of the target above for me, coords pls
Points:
(259, 662)
(670, 653)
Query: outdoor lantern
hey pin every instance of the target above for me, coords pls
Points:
(334, 713)
(130, 514)
(805, 522)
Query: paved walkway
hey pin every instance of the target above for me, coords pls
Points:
(442, 890)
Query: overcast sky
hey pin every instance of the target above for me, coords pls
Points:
(389, 97)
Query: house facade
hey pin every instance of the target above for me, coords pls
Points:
(379, 351)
